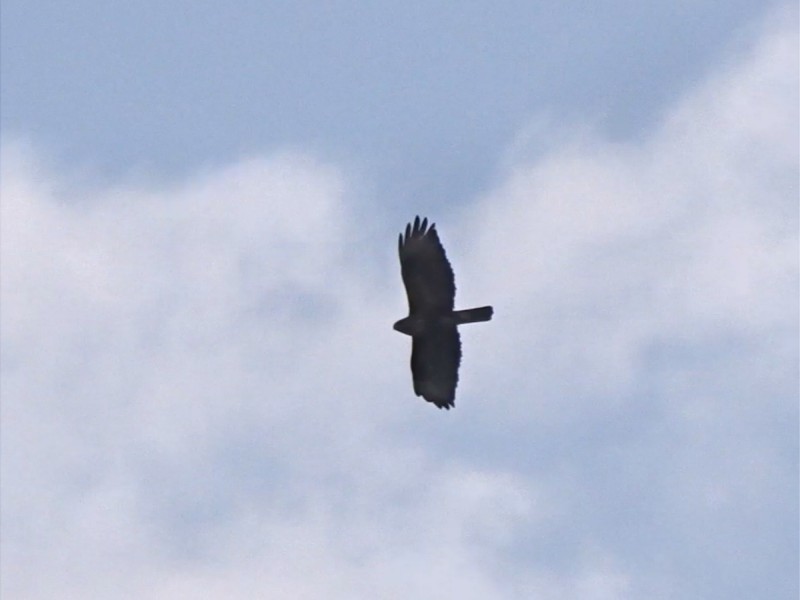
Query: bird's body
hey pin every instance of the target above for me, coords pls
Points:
(432, 323)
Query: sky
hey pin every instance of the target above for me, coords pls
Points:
(202, 394)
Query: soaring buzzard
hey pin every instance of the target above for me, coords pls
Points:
(431, 320)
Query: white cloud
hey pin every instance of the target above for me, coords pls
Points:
(610, 247)
(203, 397)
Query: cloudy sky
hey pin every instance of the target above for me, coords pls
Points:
(202, 395)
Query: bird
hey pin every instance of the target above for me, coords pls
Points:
(431, 322)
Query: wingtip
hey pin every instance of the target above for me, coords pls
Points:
(443, 404)
(419, 227)
(439, 403)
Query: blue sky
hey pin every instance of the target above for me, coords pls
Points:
(422, 96)
(202, 392)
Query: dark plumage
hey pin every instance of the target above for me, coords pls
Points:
(432, 322)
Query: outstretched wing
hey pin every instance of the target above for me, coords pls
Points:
(435, 357)
(427, 274)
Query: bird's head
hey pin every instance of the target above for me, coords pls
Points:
(405, 326)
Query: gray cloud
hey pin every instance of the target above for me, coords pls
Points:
(203, 397)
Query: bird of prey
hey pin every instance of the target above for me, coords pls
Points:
(431, 321)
